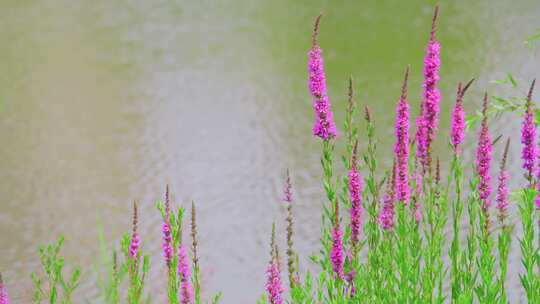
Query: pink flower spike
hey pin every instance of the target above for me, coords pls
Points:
(184, 273)
(356, 187)
(4, 299)
(483, 158)
(428, 121)
(401, 148)
(324, 126)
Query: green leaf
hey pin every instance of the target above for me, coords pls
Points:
(511, 79)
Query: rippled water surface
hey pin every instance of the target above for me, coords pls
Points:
(104, 102)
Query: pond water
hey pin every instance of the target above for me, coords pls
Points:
(105, 102)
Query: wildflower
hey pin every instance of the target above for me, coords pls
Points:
(324, 126)
(483, 158)
(428, 121)
(386, 218)
(184, 273)
(337, 254)
(135, 239)
(3, 293)
(273, 273)
(273, 284)
(356, 186)
(457, 134)
(166, 229)
(528, 138)
(502, 189)
(401, 148)
(287, 193)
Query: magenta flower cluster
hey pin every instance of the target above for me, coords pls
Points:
(273, 284)
(324, 126)
(134, 246)
(337, 254)
(502, 189)
(184, 273)
(4, 299)
(356, 186)
(528, 139)
(167, 243)
(457, 133)
(483, 158)
(428, 121)
(401, 148)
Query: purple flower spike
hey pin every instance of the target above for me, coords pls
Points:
(184, 272)
(502, 189)
(134, 246)
(401, 148)
(428, 121)
(457, 134)
(386, 218)
(166, 229)
(528, 138)
(167, 244)
(324, 126)
(356, 187)
(3, 293)
(337, 256)
(273, 284)
(135, 239)
(483, 158)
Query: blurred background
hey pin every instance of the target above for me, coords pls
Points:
(105, 102)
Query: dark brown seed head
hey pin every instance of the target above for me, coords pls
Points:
(434, 22)
(194, 235)
(135, 217)
(484, 108)
(316, 29)
(405, 83)
(367, 114)
(466, 87)
(167, 201)
(505, 155)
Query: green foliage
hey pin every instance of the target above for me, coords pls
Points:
(54, 288)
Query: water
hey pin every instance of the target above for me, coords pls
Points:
(105, 102)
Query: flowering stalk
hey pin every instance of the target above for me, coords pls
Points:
(324, 126)
(287, 198)
(136, 273)
(483, 162)
(356, 186)
(337, 254)
(487, 291)
(457, 137)
(530, 283)
(457, 134)
(504, 238)
(375, 276)
(529, 149)
(172, 235)
(528, 252)
(274, 288)
(4, 299)
(194, 249)
(167, 234)
(135, 239)
(387, 215)
(184, 274)
(401, 148)
(427, 122)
